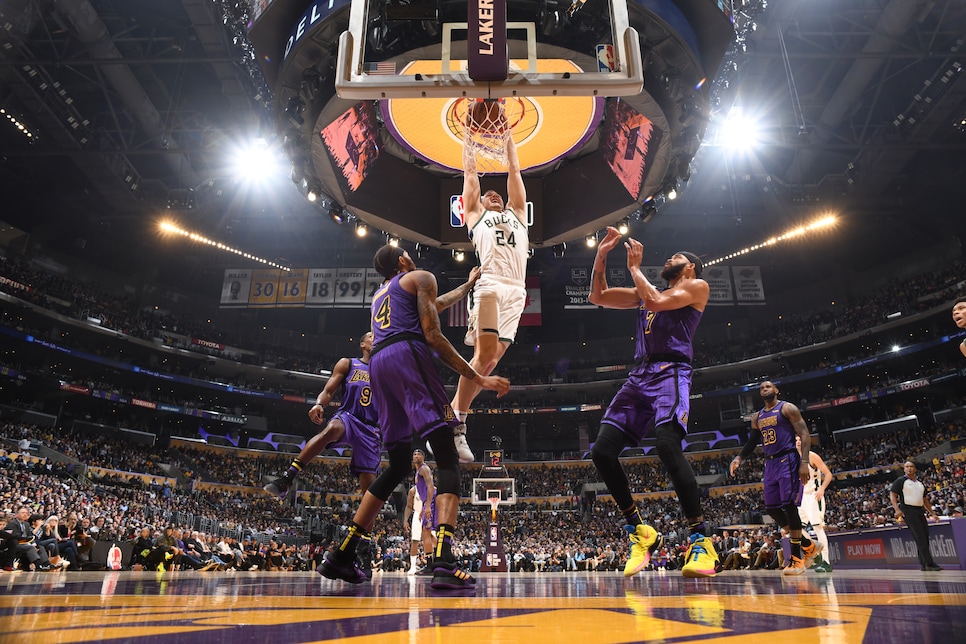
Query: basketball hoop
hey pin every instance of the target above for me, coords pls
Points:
(485, 134)
(494, 503)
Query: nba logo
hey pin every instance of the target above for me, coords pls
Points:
(605, 58)
(457, 215)
(493, 535)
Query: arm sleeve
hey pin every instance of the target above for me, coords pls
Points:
(750, 445)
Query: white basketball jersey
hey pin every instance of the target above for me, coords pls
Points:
(502, 243)
(815, 479)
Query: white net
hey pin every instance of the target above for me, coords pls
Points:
(485, 135)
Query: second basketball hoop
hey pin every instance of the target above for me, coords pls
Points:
(485, 135)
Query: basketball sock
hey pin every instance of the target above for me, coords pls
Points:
(294, 469)
(796, 546)
(821, 537)
(444, 543)
(412, 562)
(461, 415)
(806, 542)
(356, 534)
(633, 515)
(698, 528)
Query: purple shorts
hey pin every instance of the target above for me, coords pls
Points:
(409, 394)
(657, 394)
(365, 443)
(782, 485)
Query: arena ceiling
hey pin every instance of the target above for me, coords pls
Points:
(136, 106)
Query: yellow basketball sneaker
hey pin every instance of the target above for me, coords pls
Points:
(795, 566)
(644, 542)
(701, 559)
(813, 550)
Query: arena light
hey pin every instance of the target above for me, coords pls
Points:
(16, 123)
(591, 240)
(392, 240)
(338, 216)
(171, 228)
(824, 222)
(738, 130)
(361, 229)
(256, 161)
(623, 226)
(559, 250)
(458, 255)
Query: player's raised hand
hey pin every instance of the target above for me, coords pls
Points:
(635, 253)
(610, 241)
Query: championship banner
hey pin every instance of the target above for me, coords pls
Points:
(234, 290)
(719, 280)
(748, 286)
(532, 313)
(264, 289)
(577, 292)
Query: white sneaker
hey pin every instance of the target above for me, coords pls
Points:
(462, 447)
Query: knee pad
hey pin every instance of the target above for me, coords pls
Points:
(667, 443)
(447, 461)
(608, 446)
(780, 517)
(794, 521)
(400, 459)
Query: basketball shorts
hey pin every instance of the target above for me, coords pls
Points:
(498, 304)
(812, 511)
(365, 443)
(411, 401)
(656, 394)
(782, 485)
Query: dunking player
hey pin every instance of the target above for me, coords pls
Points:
(812, 509)
(410, 399)
(502, 243)
(656, 396)
(959, 318)
(786, 470)
(421, 503)
(355, 419)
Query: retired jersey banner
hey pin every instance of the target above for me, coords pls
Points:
(234, 290)
(532, 314)
(748, 286)
(291, 287)
(264, 288)
(719, 280)
(300, 287)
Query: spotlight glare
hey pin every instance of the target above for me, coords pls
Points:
(591, 241)
(171, 227)
(824, 222)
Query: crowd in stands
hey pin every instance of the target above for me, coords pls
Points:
(564, 533)
(120, 312)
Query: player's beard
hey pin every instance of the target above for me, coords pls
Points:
(672, 272)
(770, 398)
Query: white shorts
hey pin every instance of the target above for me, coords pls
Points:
(416, 523)
(811, 511)
(498, 304)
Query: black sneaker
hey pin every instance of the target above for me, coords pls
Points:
(333, 569)
(447, 576)
(278, 488)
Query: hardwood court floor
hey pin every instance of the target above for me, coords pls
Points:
(845, 606)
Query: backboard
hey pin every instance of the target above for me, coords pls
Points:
(484, 489)
(379, 45)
